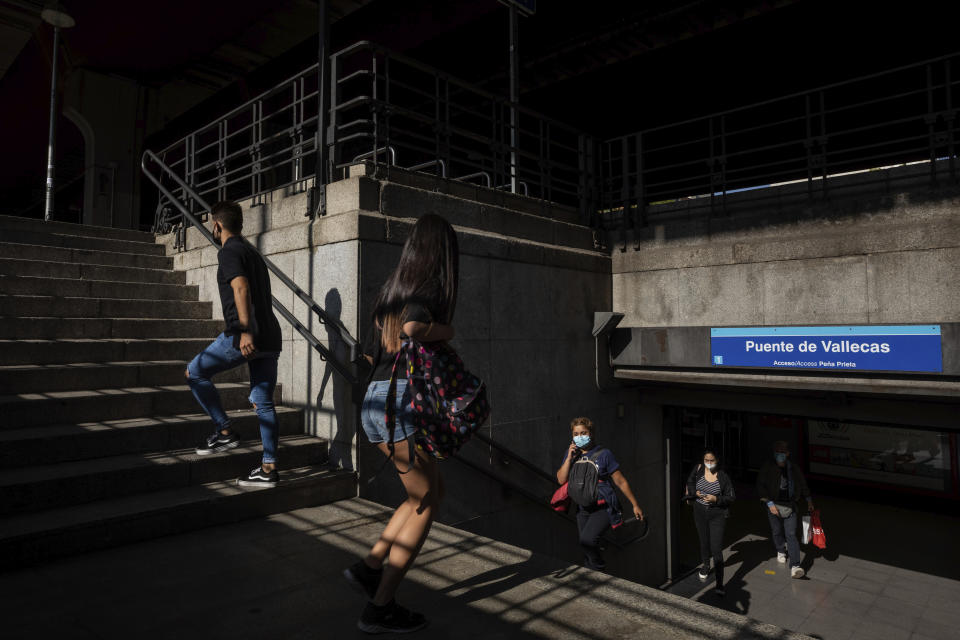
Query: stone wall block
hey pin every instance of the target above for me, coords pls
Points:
(647, 298)
(825, 291)
(722, 295)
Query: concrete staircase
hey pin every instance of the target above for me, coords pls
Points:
(97, 424)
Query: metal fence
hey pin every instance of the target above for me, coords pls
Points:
(404, 113)
(398, 112)
(898, 116)
(392, 110)
(267, 143)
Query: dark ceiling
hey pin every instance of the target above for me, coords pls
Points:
(607, 67)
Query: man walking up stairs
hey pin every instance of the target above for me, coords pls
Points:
(251, 336)
(98, 427)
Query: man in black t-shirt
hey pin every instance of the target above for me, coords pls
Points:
(251, 336)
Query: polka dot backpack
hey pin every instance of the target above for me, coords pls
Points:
(448, 403)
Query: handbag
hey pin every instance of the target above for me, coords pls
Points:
(784, 511)
(561, 499)
(448, 402)
(819, 537)
(806, 530)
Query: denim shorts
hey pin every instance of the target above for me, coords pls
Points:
(373, 417)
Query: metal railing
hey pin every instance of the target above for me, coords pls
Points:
(267, 143)
(894, 117)
(188, 197)
(432, 120)
(394, 111)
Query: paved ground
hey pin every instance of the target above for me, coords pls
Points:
(887, 574)
(280, 578)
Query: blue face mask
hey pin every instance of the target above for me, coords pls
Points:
(581, 441)
(780, 457)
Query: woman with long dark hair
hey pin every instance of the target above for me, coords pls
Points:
(417, 302)
(711, 490)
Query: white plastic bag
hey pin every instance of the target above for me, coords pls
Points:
(807, 530)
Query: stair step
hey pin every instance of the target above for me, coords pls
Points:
(57, 328)
(69, 228)
(37, 409)
(70, 241)
(85, 375)
(72, 483)
(45, 352)
(36, 537)
(72, 287)
(53, 444)
(101, 257)
(51, 306)
(72, 270)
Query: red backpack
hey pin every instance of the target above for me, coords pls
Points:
(449, 403)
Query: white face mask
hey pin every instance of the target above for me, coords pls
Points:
(710, 465)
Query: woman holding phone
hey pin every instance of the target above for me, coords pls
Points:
(712, 493)
(595, 519)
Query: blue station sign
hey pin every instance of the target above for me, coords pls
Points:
(913, 348)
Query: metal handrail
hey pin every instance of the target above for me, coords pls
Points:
(901, 115)
(345, 370)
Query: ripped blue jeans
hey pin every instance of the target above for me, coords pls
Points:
(221, 356)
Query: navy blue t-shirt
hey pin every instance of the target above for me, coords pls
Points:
(606, 496)
(606, 463)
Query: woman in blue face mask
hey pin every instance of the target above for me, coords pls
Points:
(711, 491)
(594, 519)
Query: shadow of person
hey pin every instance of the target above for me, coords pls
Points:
(749, 554)
(495, 581)
(340, 441)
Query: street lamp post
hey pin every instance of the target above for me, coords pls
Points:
(59, 20)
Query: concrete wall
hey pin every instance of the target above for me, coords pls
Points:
(529, 288)
(894, 259)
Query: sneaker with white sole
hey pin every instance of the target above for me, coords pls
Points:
(218, 443)
(260, 478)
(781, 557)
(390, 618)
(796, 572)
(704, 572)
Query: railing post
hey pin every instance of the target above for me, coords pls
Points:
(950, 117)
(931, 120)
(318, 201)
(514, 97)
(641, 216)
(624, 191)
(582, 175)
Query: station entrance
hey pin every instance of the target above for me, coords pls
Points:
(875, 483)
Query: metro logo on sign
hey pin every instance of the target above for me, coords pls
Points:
(915, 348)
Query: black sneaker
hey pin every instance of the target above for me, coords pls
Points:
(704, 572)
(218, 443)
(390, 618)
(363, 578)
(260, 478)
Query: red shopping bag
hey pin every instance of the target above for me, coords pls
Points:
(819, 537)
(560, 500)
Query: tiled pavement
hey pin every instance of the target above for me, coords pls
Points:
(877, 579)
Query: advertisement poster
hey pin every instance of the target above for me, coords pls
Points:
(889, 455)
